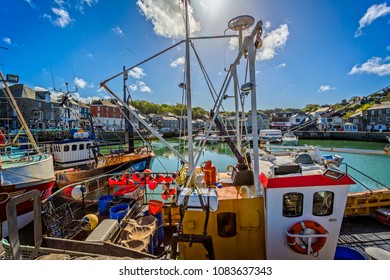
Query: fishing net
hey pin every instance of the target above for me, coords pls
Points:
(136, 234)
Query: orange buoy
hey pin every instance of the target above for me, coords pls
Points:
(210, 174)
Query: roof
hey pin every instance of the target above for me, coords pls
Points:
(383, 105)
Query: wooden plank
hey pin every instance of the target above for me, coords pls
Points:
(377, 253)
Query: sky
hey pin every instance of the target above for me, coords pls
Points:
(314, 52)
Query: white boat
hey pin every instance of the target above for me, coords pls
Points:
(23, 167)
(289, 139)
(270, 135)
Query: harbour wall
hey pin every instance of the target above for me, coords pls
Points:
(328, 135)
(344, 135)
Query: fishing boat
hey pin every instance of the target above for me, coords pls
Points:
(289, 139)
(23, 166)
(270, 135)
(80, 157)
(273, 205)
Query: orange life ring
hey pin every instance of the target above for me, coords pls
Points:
(302, 248)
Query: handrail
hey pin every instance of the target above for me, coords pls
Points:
(12, 223)
(361, 173)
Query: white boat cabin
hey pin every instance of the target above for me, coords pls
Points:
(304, 206)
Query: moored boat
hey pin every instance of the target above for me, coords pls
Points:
(289, 139)
(23, 167)
(80, 158)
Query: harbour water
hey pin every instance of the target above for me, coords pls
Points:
(374, 166)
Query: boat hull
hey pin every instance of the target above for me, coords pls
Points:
(112, 164)
(23, 210)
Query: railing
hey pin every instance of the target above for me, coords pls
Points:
(347, 166)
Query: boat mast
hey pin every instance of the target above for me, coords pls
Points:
(129, 133)
(19, 114)
(188, 92)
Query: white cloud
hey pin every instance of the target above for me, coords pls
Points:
(375, 65)
(137, 73)
(267, 24)
(117, 30)
(63, 18)
(272, 41)
(81, 83)
(281, 65)
(31, 3)
(167, 17)
(7, 40)
(374, 12)
(325, 88)
(89, 3)
(141, 87)
(133, 87)
(180, 61)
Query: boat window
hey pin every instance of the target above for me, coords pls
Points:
(81, 147)
(226, 224)
(292, 204)
(74, 147)
(323, 203)
(66, 148)
(88, 146)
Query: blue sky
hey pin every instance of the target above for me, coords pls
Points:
(314, 52)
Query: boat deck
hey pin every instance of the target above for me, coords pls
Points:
(362, 232)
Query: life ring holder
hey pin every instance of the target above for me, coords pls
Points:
(308, 247)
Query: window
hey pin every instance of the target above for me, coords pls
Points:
(292, 204)
(226, 224)
(81, 147)
(66, 148)
(323, 203)
(74, 147)
(372, 112)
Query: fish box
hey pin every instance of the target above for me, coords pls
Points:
(383, 215)
(209, 196)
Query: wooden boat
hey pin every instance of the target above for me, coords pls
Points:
(79, 157)
(23, 167)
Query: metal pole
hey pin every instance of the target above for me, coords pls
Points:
(188, 94)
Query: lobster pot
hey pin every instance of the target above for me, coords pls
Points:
(144, 231)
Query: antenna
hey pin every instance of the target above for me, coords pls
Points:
(74, 78)
(52, 76)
